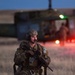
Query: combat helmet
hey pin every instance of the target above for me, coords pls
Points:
(32, 32)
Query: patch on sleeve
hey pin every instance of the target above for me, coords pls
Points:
(44, 50)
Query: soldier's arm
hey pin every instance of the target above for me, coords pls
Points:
(47, 57)
(19, 56)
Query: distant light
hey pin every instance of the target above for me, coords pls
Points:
(72, 41)
(61, 16)
(57, 41)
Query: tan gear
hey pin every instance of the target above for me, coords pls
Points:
(32, 32)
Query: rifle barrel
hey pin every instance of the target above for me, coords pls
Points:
(50, 68)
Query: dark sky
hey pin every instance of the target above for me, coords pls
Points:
(35, 4)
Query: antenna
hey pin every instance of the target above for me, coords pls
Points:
(50, 4)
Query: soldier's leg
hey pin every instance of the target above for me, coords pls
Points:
(38, 72)
(26, 72)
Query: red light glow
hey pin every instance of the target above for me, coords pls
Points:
(68, 41)
(72, 41)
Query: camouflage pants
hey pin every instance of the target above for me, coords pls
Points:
(29, 72)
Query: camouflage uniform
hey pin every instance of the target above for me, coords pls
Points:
(27, 61)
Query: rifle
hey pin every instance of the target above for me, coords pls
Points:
(43, 61)
(41, 58)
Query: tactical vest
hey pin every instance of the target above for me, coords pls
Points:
(26, 61)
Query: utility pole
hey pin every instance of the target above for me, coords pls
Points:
(50, 4)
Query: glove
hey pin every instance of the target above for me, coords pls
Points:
(31, 52)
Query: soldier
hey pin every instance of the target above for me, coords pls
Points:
(63, 34)
(27, 56)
